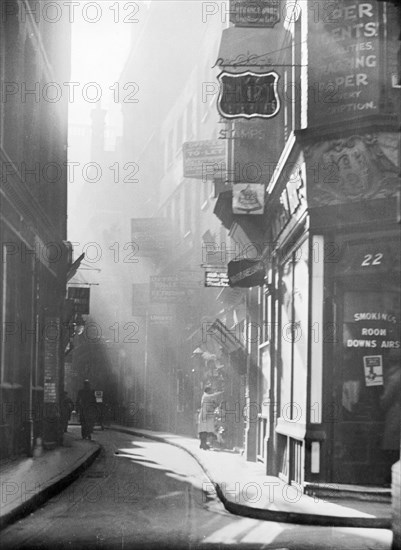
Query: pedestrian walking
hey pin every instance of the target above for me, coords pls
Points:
(87, 408)
(67, 406)
(206, 420)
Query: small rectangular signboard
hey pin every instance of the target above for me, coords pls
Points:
(373, 366)
(216, 278)
(203, 158)
(80, 296)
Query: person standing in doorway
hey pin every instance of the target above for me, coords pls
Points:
(206, 428)
(87, 408)
(67, 406)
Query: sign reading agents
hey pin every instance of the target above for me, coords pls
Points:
(344, 67)
(248, 95)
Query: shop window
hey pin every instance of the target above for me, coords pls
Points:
(367, 385)
(293, 335)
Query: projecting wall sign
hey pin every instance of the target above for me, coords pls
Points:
(248, 95)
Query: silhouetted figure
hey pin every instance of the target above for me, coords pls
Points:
(87, 408)
(206, 428)
(67, 406)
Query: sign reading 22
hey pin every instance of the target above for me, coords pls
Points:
(372, 259)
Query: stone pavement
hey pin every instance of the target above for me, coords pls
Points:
(242, 486)
(28, 482)
(246, 490)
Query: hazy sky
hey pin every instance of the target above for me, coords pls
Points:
(99, 51)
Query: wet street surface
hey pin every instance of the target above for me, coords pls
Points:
(141, 493)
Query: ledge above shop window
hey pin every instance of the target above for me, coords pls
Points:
(294, 429)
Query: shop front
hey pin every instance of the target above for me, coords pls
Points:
(363, 309)
(329, 359)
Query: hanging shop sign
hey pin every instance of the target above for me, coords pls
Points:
(246, 273)
(203, 158)
(248, 95)
(255, 13)
(344, 61)
(80, 297)
(248, 198)
(216, 279)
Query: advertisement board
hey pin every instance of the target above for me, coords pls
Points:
(80, 296)
(203, 158)
(248, 198)
(344, 61)
(216, 278)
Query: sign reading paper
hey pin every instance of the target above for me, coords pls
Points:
(248, 198)
(373, 366)
(203, 158)
(344, 73)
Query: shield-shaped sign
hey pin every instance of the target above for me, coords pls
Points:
(248, 95)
